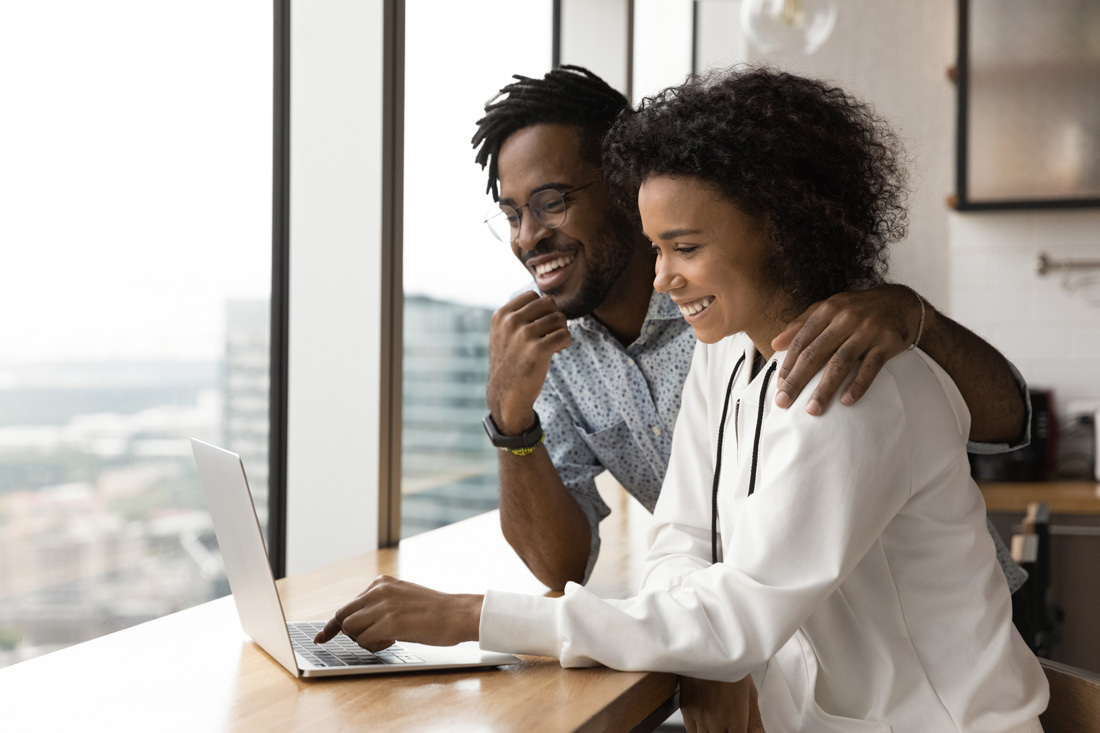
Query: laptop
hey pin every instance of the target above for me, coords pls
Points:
(261, 612)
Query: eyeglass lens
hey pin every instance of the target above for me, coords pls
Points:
(547, 206)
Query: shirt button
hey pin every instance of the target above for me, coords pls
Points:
(630, 361)
(656, 430)
(650, 329)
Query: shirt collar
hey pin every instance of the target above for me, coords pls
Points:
(661, 308)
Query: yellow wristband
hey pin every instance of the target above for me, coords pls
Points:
(527, 451)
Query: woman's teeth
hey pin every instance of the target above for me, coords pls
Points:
(697, 307)
(552, 265)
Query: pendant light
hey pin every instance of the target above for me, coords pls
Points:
(788, 25)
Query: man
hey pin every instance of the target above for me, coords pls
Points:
(597, 362)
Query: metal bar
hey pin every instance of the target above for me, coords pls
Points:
(1066, 530)
(1069, 530)
(555, 49)
(961, 204)
(1045, 264)
(695, 37)
(393, 301)
(630, 51)
(280, 294)
(962, 74)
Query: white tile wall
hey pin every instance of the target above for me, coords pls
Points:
(1051, 334)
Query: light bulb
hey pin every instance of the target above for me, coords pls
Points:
(788, 25)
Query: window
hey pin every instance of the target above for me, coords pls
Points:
(135, 277)
(457, 55)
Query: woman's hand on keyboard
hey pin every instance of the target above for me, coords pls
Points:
(394, 610)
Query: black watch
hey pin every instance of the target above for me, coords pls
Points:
(521, 444)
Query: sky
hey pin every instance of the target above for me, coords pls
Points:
(135, 189)
(453, 65)
(135, 184)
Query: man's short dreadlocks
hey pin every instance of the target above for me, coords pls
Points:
(570, 95)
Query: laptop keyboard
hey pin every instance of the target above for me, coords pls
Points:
(341, 651)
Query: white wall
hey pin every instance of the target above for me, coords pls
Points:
(662, 45)
(719, 40)
(335, 283)
(593, 35)
(1051, 334)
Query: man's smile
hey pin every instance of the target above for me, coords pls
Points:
(551, 270)
(557, 263)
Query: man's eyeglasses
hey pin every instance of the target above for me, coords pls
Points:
(548, 206)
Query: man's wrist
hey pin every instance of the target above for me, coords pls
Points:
(513, 423)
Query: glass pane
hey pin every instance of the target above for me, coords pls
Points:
(1034, 100)
(135, 280)
(455, 272)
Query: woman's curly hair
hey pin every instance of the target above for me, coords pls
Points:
(818, 168)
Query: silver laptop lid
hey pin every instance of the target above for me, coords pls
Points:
(243, 552)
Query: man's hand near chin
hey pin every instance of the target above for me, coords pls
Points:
(720, 707)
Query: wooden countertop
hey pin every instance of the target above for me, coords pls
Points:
(1063, 497)
(196, 670)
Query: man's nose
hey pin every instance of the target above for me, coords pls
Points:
(530, 233)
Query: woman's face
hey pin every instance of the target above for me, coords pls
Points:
(710, 259)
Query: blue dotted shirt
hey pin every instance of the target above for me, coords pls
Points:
(608, 407)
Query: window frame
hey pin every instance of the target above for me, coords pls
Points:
(961, 200)
(280, 290)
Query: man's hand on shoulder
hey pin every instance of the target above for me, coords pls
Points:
(526, 331)
(856, 331)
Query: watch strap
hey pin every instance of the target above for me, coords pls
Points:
(523, 444)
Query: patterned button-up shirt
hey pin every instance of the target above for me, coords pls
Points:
(606, 407)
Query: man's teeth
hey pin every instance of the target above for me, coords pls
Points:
(552, 265)
(696, 307)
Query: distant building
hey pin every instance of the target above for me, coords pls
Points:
(245, 392)
(71, 569)
(448, 467)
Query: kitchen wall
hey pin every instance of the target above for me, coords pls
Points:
(976, 267)
(1051, 333)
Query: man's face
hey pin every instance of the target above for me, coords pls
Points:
(577, 263)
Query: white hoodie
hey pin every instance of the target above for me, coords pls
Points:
(858, 583)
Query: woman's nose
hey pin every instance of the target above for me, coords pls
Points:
(665, 277)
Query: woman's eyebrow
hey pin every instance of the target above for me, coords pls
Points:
(677, 233)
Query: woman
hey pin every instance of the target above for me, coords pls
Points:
(843, 560)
